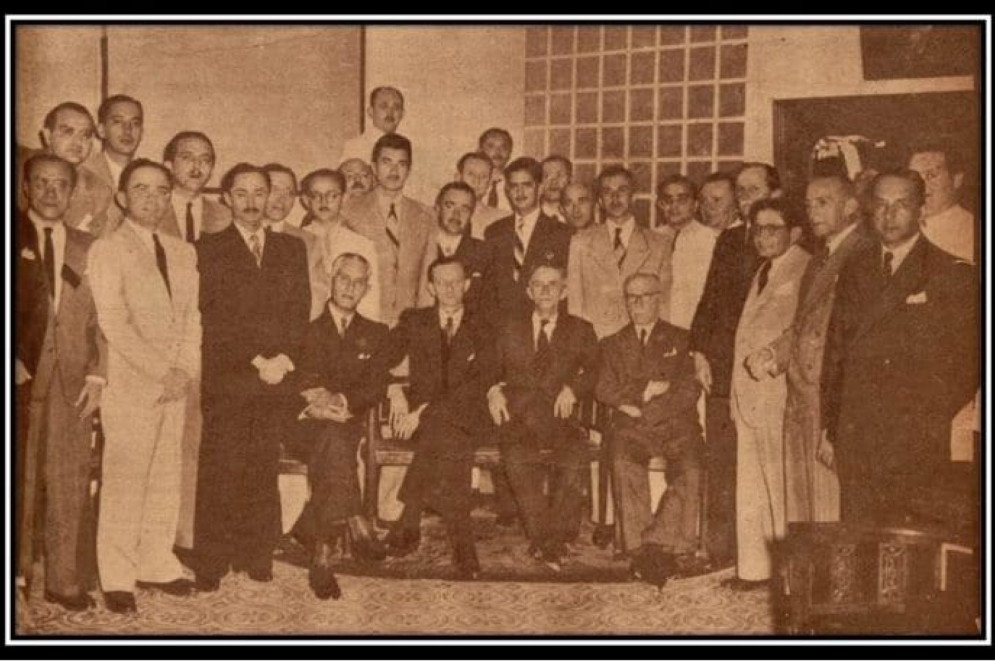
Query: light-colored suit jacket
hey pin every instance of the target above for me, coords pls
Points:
(765, 318)
(148, 331)
(398, 280)
(216, 218)
(595, 282)
(484, 216)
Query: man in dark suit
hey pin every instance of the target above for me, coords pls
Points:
(713, 336)
(60, 373)
(454, 207)
(255, 300)
(902, 360)
(545, 363)
(343, 373)
(647, 375)
(525, 239)
(447, 346)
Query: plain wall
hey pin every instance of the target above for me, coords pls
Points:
(457, 81)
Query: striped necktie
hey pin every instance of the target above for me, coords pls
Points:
(519, 248)
(393, 224)
(618, 248)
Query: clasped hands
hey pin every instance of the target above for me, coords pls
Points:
(272, 371)
(323, 404)
(653, 389)
(497, 404)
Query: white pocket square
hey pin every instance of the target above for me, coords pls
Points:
(363, 355)
(27, 254)
(670, 353)
(917, 298)
(472, 357)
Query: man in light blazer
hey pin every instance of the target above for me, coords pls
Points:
(758, 407)
(146, 290)
(60, 371)
(603, 256)
(119, 126)
(190, 157)
(811, 487)
(399, 226)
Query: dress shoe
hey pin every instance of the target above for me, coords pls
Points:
(258, 572)
(178, 587)
(689, 565)
(603, 536)
(366, 547)
(650, 563)
(120, 602)
(320, 577)
(206, 584)
(401, 541)
(73, 602)
(740, 585)
(465, 560)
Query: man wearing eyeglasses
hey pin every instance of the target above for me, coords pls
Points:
(647, 376)
(758, 407)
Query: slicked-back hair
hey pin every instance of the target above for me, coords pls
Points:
(241, 169)
(333, 175)
(918, 184)
(783, 206)
(613, 171)
(496, 131)
(342, 257)
(380, 89)
(169, 152)
(456, 186)
(845, 184)
(39, 158)
(952, 156)
(106, 104)
(770, 173)
(444, 260)
(558, 158)
(280, 168)
(135, 164)
(461, 164)
(49, 122)
(677, 178)
(649, 276)
(524, 164)
(392, 142)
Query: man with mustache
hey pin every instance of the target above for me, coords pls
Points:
(358, 178)
(68, 134)
(255, 301)
(386, 110)
(189, 156)
(556, 174)
(475, 169)
(496, 143)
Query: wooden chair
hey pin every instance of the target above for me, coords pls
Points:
(846, 579)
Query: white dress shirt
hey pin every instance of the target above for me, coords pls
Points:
(246, 234)
(58, 246)
(692, 257)
(448, 244)
(899, 253)
(115, 169)
(457, 317)
(647, 328)
(953, 230)
(628, 225)
(834, 242)
(179, 202)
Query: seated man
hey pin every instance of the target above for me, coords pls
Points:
(544, 364)
(647, 376)
(447, 346)
(344, 374)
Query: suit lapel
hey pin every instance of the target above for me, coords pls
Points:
(146, 260)
(908, 279)
(636, 253)
(536, 242)
(601, 249)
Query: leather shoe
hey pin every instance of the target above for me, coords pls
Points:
(366, 547)
(465, 560)
(207, 583)
(73, 602)
(651, 564)
(178, 587)
(603, 536)
(320, 577)
(740, 585)
(120, 602)
(401, 541)
(690, 565)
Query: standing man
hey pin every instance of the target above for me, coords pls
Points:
(398, 226)
(811, 487)
(758, 407)
(556, 173)
(119, 126)
(496, 143)
(713, 335)
(60, 369)
(189, 156)
(902, 360)
(717, 202)
(255, 300)
(577, 206)
(475, 169)
(386, 110)
(525, 239)
(694, 243)
(343, 374)
(454, 207)
(359, 177)
(546, 363)
(603, 256)
(945, 223)
(447, 348)
(647, 376)
(146, 292)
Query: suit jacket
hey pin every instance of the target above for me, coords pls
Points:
(90, 201)
(317, 272)
(66, 341)
(483, 217)
(765, 318)
(595, 281)
(398, 282)
(355, 365)
(149, 329)
(97, 164)
(902, 359)
(550, 243)
(216, 217)
(476, 257)
(713, 330)
(573, 362)
(627, 367)
(454, 384)
(249, 310)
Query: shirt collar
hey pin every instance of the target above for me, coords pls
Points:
(649, 329)
(834, 242)
(537, 321)
(900, 252)
(385, 198)
(457, 317)
(340, 317)
(41, 223)
(626, 225)
(449, 242)
(245, 233)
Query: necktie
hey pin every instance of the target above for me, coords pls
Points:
(343, 326)
(492, 197)
(886, 269)
(256, 248)
(519, 248)
(392, 233)
(50, 262)
(190, 229)
(450, 330)
(642, 336)
(618, 248)
(160, 261)
(542, 344)
(762, 277)
(822, 256)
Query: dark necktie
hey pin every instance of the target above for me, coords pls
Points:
(450, 330)
(542, 344)
(762, 277)
(492, 197)
(886, 268)
(822, 256)
(190, 230)
(619, 248)
(519, 248)
(642, 336)
(343, 326)
(50, 262)
(160, 261)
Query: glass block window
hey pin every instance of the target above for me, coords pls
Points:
(661, 99)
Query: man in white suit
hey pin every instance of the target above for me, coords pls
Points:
(758, 407)
(145, 286)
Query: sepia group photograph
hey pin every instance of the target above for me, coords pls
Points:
(488, 330)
